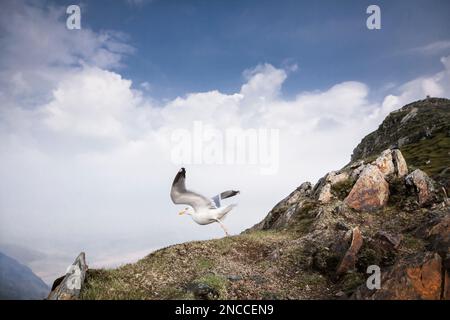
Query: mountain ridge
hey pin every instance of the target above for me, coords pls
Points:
(18, 281)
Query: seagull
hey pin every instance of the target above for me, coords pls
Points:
(202, 209)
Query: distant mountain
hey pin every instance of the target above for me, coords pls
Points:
(18, 282)
(22, 254)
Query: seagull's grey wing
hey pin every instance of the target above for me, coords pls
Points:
(180, 195)
(216, 200)
(223, 195)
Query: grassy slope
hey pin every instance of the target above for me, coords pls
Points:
(432, 156)
(166, 273)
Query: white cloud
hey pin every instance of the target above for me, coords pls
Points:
(37, 48)
(436, 47)
(436, 85)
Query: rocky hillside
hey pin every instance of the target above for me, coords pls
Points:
(422, 131)
(319, 241)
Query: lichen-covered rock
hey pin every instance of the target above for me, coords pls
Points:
(69, 288)
(422, 184)
(281, 214)
(324, 195)
(202, 291)
(419, 277)
(384, 163)
(370, 192)
(349, 259)
(393, 240)
(356, 172)
(337, 177)
(392, 163)
(439, 236)
(401, 167)
(322, 189)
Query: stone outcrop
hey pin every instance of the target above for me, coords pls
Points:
(322, 190)
(439, 236)
(348, 261)
(69, 287)
(401, 168)
(370, 192)
(393, 240)
(282, 213)
(324, 195)
(422, 185)
(385, 163)
(420, 277)
(392, 164)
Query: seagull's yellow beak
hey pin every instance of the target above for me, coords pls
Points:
(181, 213)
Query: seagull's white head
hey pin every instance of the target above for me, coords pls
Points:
(188, 211)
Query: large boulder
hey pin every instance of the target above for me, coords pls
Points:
(401, 167)
(392, 163)
(422, 185)
(439, 236)
(384, 163)
(370, 192)
(324, 195)
(419, 277)
(322, 190)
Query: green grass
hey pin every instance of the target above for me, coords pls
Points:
(435, 150)
(412, 243)
(217, 282)
(107, 285)
(204, 263)
(343, 188)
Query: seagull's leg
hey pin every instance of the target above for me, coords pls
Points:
(223, 227)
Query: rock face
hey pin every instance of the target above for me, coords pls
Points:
(324, 195)
(420, 277)
(349, 260)
(392, 164)
(393, 240)
(283, 212)
(69, 287)
(399, 163)
(385, 163)
(322, 190)
(422, 184)
(439, 236)
(370, 192)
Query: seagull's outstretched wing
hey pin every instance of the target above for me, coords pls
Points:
(223, 195)
(180, 195)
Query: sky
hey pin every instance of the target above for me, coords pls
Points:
(93, 121)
